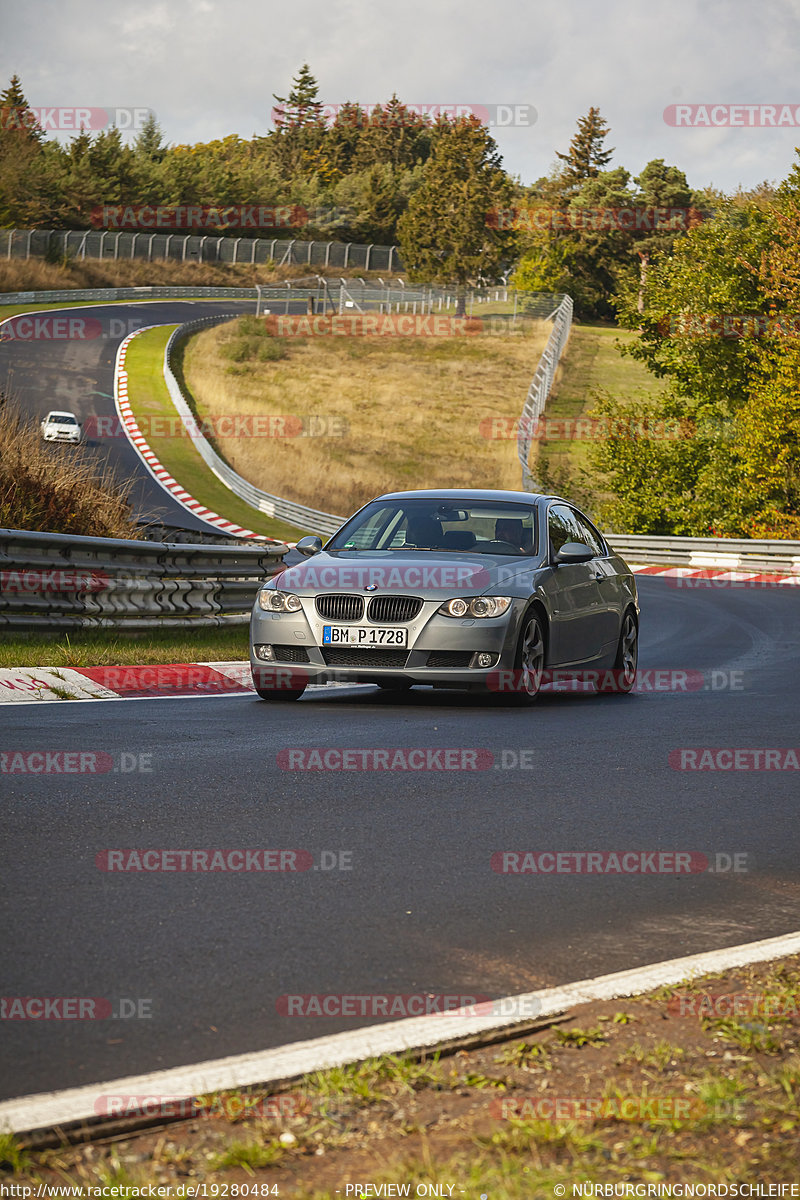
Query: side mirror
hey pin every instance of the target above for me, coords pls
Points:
(574, 552)
(310, 544)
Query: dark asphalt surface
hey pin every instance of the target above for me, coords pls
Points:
(420, 910)
(77, 374)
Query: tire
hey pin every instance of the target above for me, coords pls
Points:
(529, 658)
(280, 693)
(261, 678)
(624, 672)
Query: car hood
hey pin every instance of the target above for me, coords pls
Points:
(62, 427)
(421, 572)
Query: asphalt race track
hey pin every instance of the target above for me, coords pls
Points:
(77, 374)
(420, 910)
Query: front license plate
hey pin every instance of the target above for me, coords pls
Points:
(357, 635)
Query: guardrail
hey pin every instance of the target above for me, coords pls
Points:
(56, 581)
(272, 506)
(325, 295)
(756, 554)
(540, 387)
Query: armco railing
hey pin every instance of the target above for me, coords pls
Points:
(272, 506)
(746, 554)
(540, 387)
(187, 247)
(56, 581)
(326, 295)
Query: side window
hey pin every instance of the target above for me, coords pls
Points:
(588, 534)
(559, 527)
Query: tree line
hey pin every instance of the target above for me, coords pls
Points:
(709, 281)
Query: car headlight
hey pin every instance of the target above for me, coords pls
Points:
(271, 600)
(479, 606)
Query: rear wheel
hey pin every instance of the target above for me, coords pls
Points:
(529, 660)
(623, 676)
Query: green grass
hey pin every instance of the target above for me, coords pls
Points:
(592, 363)
(104, 648)
(150, 400)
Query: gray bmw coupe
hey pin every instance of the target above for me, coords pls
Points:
(480, 590)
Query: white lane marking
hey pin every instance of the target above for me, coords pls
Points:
(50, 1109)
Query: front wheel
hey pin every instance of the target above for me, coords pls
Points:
(623, 676)
(529, 660)
(267, 682)
(280, 693)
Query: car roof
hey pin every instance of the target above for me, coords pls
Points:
(489, 494)
(60, 412)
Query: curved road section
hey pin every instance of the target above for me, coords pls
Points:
(219, 875)
(64, 359)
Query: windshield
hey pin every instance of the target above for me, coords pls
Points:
(62, 419)
(473, 526)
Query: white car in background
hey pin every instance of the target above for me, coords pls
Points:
(61, 427)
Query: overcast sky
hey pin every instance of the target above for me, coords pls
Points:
(209, 68)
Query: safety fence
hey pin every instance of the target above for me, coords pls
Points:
(51, 581)
(148, 245)
(756, 554)
(542, 382)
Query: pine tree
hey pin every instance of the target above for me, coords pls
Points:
(149, 143)
(586, 155)
(301, 107)
(299, 126)
(16, 114)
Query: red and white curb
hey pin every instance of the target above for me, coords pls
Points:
(20, 685)
(150, 460)
(23, 685)
(718, 572)
(413, 1034)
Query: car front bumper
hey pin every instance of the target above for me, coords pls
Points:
(442, 651)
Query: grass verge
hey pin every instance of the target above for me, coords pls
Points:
(163, 430)
(659, 1088)
(109, 648)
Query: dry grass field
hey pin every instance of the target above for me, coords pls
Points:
(365, 414)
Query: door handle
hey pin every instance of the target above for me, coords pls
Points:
(599, 575)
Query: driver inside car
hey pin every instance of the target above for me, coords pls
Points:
(512, 530)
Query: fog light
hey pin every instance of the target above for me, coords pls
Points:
(484, 660)
(265, 653)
